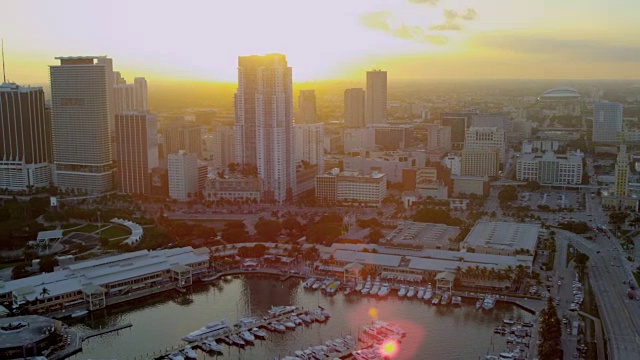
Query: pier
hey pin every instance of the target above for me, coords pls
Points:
(107, 330)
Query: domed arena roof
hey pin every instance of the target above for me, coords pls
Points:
(561, 93)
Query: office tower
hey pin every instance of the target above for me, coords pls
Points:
(393, 137)
(25, 138)
(351, 188)
(137, 144)
(183, 175)
(219, 147)
(180, 135)
(476, 162)
(486, 138)
(80, 124)
(306, 107)
(111, 82)
(459, 123)
(129, 97)
(439, 137)
(622, 173)
(607, 121)
(354, 100)
(497, 120)
(376, 105)
(264, 123)
(550, 168)
(309, 144)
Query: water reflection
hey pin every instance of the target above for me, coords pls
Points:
(434, 332)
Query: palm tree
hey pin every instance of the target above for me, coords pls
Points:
(509, 271)
(459, 271)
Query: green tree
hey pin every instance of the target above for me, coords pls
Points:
(617, 219)
(20, 271)
(48, 263)
(235, 232)
(374, 235)
(508, 194)
(292, 226)
(267, 229)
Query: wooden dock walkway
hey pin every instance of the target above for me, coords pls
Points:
(107, 330)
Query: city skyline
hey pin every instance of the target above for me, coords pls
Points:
(456, 38)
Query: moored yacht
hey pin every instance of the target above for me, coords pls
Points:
(428, 293)
(281, 310)
(489, 302)
(420, 292)
(309, 283)
(359, 286)
(375, 288)
(247, 336)
(259, 334)
(403, 291)
(384, 290)
(411, 292)
(436, 299)
(189, 353)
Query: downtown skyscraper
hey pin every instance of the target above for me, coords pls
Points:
(306, 107)
(607, 122)
(25, 138)
(354, 108)
(264, 123)
(137, 144)
(81, 119)
(376, 105)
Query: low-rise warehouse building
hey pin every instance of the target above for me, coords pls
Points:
(92, 283)
(502, 238)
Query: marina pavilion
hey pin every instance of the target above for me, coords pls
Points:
(95, 283)
(407, 266)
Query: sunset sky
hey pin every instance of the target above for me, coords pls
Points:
(329, 39)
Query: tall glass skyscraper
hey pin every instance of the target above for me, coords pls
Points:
(264, 123)
(80, 95)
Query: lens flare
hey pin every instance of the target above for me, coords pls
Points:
(389, 348)
(373, 312)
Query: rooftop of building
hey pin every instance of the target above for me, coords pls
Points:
(9, 86)
(419, 235)
(35, 330)
(573, 157)
(560, 94)
(508, 236)
(106, 270)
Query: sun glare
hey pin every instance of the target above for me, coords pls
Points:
(389, 348)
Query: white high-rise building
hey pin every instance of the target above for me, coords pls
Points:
(354, 108)
(439, 137)
(486, 138)
(129, 97)
(183, 175)
(219, 147)
(81, 118)
(376, 104)
(264, 123)
(306, 107)
(550, 168)
(607, 121)
(309, 141)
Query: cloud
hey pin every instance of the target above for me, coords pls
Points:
(469, 14)
(380, 21)
(424, 2)
(451, 18)
(562, 49)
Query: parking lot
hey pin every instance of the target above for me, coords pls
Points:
(554, 199)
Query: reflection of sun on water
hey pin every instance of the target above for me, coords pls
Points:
(389, 348)
(373, 312)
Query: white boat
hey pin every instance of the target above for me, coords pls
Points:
(306, 318)
(436, 299)
(247, 322)
(247, 336)
(309, 283)
(428, 293)
(316, 285)
(189, 353)
(79, 313)
(324, 312)
(260, 334)
(489, 302)
(403, 291)
(211, 346)
(479, 304)
(384, 290)
(279, 327)
(420, 292)
(390, 327)
(317, 315)
(236, 340)
(288, 324)
(296, 320)
(366, 289)
(213, 328)
(281, 310)
(456, 300)
(445, 299)
(411, 292)
(375, 288)
(359, 286)
(176, 356)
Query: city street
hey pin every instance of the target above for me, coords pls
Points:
(620, 316)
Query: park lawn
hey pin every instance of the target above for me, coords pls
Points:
(88, 228)
(114, 232)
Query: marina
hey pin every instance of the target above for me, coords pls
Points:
(163, 320)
